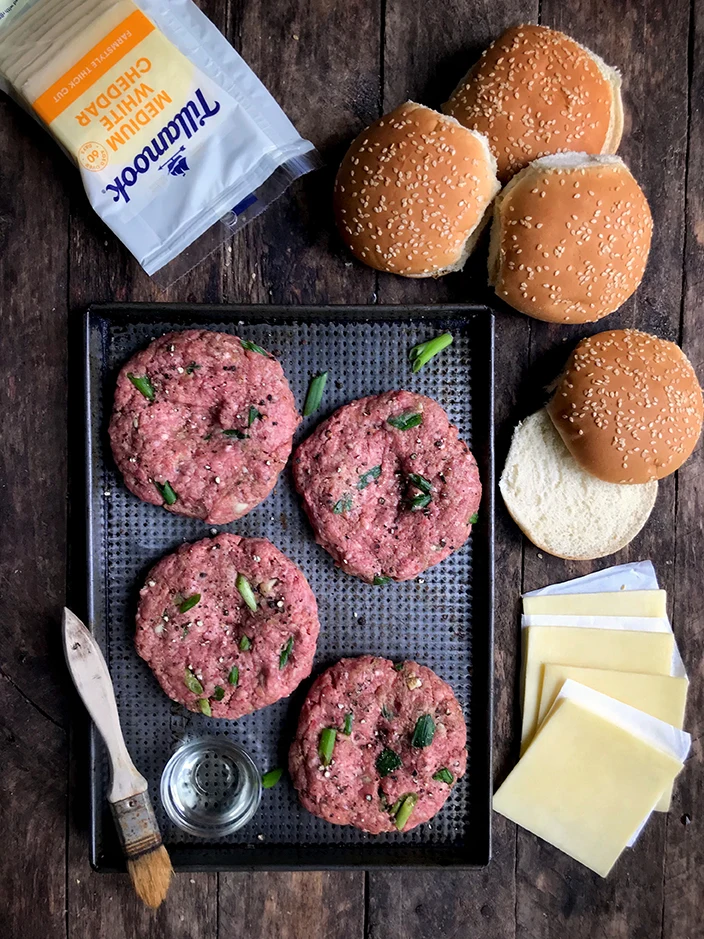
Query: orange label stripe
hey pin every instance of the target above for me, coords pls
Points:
(94, 64)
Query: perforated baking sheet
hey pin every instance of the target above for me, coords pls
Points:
(443, 619)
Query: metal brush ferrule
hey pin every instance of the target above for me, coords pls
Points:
(136, 825)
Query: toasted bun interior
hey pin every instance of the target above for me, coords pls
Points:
(570, 238)
(628, 406)
(536, 91)
(413, 192)
(561, 508)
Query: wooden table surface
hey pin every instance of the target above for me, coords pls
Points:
(335, 66)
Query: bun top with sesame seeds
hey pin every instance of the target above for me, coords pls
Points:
(628, 406)
(570, 238)
(413, 191)
(535, 91)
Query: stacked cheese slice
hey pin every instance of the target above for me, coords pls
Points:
(603, 692)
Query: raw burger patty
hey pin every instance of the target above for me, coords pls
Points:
(386, 702)
(218, 430)
(356, 475)
(200, 646)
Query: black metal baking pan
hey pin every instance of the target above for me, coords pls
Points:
(443, 620)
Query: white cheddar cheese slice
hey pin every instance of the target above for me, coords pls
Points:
(661, 696)
(585, 785)
(587, 648)
(618, 603)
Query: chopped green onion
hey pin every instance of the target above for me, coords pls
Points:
(250, 346)
(315, 394)
(473, 519)
(192, 682)
(254, 415)
(343, 505)
(420, 502)
(369, 476)
(219, 693)
(380, 580)
(245, 590)
(167, 493)
(347, 726)
(395, 807)
(238, 434)
(387, 762)
(444, 775)
(420, 482)
(403, 813)
(286, 652)
(190, 369)
(270, 779)
(398, 667)
(327, 745)
(186, 630)
(421, 354)
(189, 603)
(387, 714)
(424, 732)
(205, 708)
(234, 676)
(142, 384)
(405, 421)
(245, 643)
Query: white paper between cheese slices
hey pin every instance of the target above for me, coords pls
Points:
(620, 649)
(592, 775)
(661, 696)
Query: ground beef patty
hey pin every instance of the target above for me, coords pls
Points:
(404, 751)
(388, 486)
(207, 648)
(202, 424)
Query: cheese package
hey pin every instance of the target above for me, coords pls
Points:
(649, 652)
(661, 696)
(591, 776)
(622, 603)
(171, 130)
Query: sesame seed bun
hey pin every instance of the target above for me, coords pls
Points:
(413, 192)
(536, 91)
(628, 406)
(570, 238)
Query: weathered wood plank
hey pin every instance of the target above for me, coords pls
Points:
(684, 857)
(556, 896)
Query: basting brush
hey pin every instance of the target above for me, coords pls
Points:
(148, 862)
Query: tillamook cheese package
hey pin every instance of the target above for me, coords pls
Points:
(171, 130)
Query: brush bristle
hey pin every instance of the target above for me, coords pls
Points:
(151, 875)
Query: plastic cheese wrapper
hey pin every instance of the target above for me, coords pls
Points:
(171, 130)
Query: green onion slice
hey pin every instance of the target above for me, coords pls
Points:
(420, 502)
(143, 385)
(347, 726)
(342, 505)
(387, 762)
(238, 434)
(315, 394)
(405, 421)
(190, 369)
(250, 346)
(474, 519)
(189, 603)
(253, 415)
(286, 652)
(270, 779)
(380, 580)
(167, 493)
(245, 643)
(403, 813)
(326, 745)
(386, 713)
(424, 732)
(245, 590)
(444, 775)
(219, 693)
(192, 682)
(420, 482)
(421, 354)
(205, 708)
(369, 476)
(234, 676)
